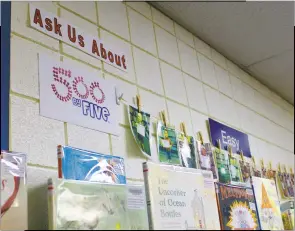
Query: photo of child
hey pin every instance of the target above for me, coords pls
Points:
(167, 145)
(140, 127)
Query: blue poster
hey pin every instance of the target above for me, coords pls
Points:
(229, 136)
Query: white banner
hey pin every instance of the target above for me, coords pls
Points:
(58, 28)
(73, 95)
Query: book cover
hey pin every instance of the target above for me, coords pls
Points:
(82, 205)
(174, 203)
(14, 208)
(237, 210)
(268, 204)
(209, 195)
(206, 158)
(140, 127)
(186, 149)
(167, 145)
(287, 210)
(137, 207)
(222, 165)
(79, 164)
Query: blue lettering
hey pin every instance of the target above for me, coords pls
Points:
(105, 114)
(85, 107)
(95, 111)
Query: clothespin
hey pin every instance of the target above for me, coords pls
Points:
(163, 117)
(242, 155)
(200, 137)
(183, 129)
(253, 160)
(262, 163)
(291, 170)
(270, 165)
(219, 144)
(279, 167)
(284, 168)
(138, 102)
(230, 151)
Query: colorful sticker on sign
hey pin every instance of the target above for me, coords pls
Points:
(76, 96)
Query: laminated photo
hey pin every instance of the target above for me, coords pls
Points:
(79, 164)
(222, 165)
(206, 158)
(186, 149)
(246, 171)
(235, 170)
(167, 145)
(140, 126)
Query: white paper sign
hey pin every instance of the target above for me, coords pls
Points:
(141, 129)
(166, 143)
(76, 96)
(60, 29)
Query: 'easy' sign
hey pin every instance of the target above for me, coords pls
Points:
(229, 136)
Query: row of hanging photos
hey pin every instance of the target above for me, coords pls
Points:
(200, 137)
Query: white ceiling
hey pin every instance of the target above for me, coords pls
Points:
(258, 36)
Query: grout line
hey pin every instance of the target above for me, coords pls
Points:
(160, 68)
(41, 166)
(33, 41)
(76, 14)
(66, 133)
(24, 96)
(110, 143)
(10, 125)
(132, 49)
(96, 11)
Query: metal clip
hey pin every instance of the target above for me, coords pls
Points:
(119, 96)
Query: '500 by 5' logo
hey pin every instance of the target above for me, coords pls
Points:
(75, 83)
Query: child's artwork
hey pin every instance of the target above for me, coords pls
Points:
(140, 127)
(246, 171)
(167, 145)
(268, 204)
(82, 205)
(222, 166)
(237, 209)
(206, 158)
(14, 209)
(79, 164)
(186, 150)
(287, 210)
(235, 170)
